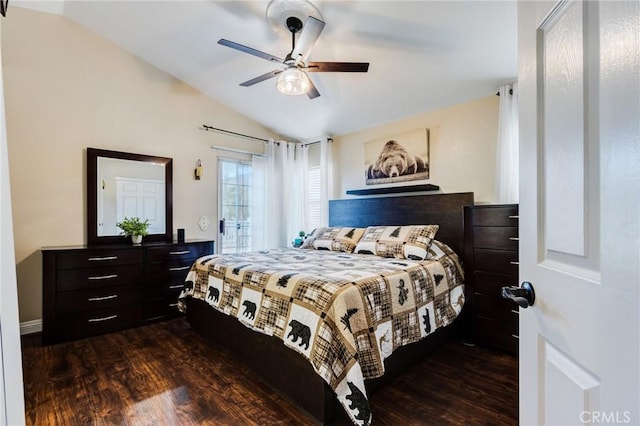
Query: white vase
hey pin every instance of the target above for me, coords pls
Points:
(136, 239)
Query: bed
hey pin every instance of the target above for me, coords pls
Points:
(335, 325)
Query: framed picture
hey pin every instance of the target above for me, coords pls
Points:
(401, 158)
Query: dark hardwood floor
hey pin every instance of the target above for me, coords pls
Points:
(165, 374)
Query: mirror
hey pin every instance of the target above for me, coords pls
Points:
(122, 184)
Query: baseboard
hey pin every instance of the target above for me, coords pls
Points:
(30, 327)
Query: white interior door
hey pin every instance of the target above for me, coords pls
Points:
(11, 388)
(579, 81)
(142, 198)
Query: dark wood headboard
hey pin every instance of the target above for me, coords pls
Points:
(445, 210)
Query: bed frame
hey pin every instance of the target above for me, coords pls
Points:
(291, 374)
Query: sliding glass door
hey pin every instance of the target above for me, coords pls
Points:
(234, 195)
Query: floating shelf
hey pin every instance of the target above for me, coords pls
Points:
(393, 189)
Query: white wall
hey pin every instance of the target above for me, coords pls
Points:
(68, 89)
(462, 149)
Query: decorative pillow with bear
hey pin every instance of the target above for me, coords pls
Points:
(334, 239)
(401, 242)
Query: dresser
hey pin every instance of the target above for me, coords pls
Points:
(99, 289)
(491, 262)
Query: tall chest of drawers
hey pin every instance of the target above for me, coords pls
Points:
(491, 262)
(100, 289)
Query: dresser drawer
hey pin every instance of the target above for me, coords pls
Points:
(160, 275)
(496, 237)
(495, 307)
(90, 323)
(178, 252)
(496, 216)
(76, 279)
(492, 283)
(168, 271)
(496, 333)
(500, 261)
(169, 292)
(91, 299)
(98, 258)
(161, 308)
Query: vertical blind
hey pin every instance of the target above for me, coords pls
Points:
(313, 198)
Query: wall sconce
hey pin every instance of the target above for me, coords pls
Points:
(4, 4)
(198, 171)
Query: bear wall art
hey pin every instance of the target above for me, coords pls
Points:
(401, 158)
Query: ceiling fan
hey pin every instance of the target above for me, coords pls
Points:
(292, 78)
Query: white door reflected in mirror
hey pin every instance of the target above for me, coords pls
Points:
(128, 188)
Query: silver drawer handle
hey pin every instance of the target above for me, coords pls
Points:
(177, 286)
(514, 263)
(181, 268)
(515, 312)
(515, 335)
(173, 305)
(93, 259)
(514, 238)
(104, 277)
(110, 317)
(97, 299)
(180, 252)
(514, 217)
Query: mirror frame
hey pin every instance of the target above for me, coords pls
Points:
(92, 196)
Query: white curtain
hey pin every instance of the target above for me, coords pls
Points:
(326, 181)
(294, 189)
(258, 201)
(507, 149)
(302, 189)
(279, 190)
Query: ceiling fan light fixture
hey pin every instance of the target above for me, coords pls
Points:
(278, 11)
(293, 81)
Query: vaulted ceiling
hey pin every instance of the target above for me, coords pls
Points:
(423, 55)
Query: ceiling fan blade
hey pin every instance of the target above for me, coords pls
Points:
(250, 50)
(260, 78)
(308, 37)
(338, 67)
(313, 91)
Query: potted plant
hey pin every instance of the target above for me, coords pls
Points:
(135, 228)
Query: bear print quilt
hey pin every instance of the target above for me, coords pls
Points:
(346, 313)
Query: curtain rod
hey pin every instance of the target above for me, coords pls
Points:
(239, 151)
(510, 92)
(215, 129)
(315, 142)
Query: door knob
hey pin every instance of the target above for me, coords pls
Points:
(524, 295)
